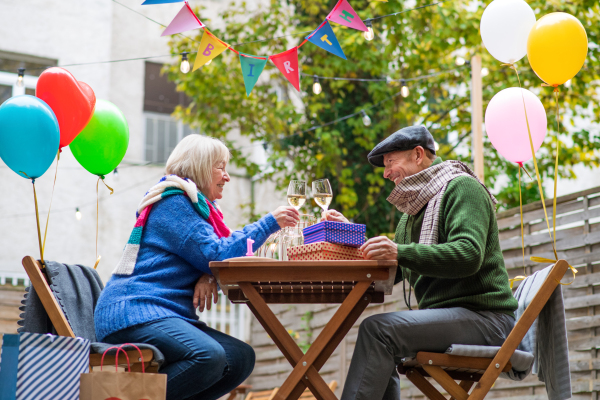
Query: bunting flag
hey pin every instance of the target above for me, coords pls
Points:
(185, 20)
(287, 63)
(344, 14)
(251, 69)
(150, 2)
(324, 37)
(209, 48)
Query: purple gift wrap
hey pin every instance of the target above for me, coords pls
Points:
(335, 232)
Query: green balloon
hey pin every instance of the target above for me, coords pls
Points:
(102, 144)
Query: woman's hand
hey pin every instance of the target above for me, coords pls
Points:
(333, 215)
(286, 216)
(205, 287)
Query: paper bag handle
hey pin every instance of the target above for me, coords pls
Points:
(120, 348)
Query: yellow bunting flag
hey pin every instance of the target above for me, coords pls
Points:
(210, 47)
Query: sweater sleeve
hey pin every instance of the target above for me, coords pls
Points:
(202, 245)
(467, 212)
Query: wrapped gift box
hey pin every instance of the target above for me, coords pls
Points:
(335, 232)
(323, 251)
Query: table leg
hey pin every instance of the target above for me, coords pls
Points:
(324, 345)
(306, 365)
(284, 342)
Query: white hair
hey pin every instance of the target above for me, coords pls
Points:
(194, 158)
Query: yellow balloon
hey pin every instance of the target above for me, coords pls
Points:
(556, 47)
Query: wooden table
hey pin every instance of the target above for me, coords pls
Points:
(354, 284)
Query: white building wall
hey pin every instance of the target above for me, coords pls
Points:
(79, 32)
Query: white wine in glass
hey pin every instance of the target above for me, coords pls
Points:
(296, 195)
(322, 193)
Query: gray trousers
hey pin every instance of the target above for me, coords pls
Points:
(384, 339)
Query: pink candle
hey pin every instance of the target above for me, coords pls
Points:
(250, 253)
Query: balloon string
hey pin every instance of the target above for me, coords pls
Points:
(537, 172)
(100, 178)
(51, 197)
(556, 165)
(97, 214)
(520, 277)
(37, 218)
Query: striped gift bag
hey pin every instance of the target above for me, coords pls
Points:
(48, 367)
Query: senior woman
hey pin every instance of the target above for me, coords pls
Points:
(153, 292)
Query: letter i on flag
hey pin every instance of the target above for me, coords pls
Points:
(210, 47)
(251, 69)
(324, 37)
(185, 20)
(287, 62)
(344, 14)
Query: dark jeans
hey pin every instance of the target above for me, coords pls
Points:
(384, 339)
(200, 362)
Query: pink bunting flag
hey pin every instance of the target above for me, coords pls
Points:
(287, 62)
(344, 14)
(185, 20)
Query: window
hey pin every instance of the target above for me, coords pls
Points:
(9, 67)
(163, 132)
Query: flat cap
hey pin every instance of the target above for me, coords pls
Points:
(405, 139)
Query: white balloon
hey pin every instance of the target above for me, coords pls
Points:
(505, 26)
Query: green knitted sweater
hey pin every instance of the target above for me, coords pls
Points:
(466, 268)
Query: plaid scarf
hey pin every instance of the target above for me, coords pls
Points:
(168, 185)
(428, 187)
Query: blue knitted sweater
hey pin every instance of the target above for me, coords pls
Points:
(176, 247)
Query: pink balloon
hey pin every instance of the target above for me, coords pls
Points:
(506, 126)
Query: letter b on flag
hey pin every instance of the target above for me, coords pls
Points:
(209, 48)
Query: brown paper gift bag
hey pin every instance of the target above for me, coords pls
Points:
(114, 385)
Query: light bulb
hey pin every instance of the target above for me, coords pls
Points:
(185, 64)
(460, 61)
(316, 85)
(78, 214)
(20, 77)
(366, 120)
(436, 146)
(208, 62)
(485, 72)
(369, 34)
(404, 91)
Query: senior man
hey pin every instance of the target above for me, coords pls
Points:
(448, 250)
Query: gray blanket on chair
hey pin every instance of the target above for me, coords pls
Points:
(76, 288)
(547, 337)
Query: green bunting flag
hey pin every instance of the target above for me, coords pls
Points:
(251, 69)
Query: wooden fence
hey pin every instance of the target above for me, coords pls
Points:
(578, 241)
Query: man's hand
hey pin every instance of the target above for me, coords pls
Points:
(205, 287)
(333, 215)
(380, 248)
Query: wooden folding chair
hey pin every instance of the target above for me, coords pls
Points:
(308, 395)
(39, 281)
(443, 367)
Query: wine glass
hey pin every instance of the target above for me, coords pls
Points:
(322, 193)
(296, 195)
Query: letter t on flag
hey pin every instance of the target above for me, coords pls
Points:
(287, 62)
(325, 39)
(344, 14)
(251, 70)
(209, 48)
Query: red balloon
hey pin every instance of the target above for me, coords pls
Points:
(73, 102)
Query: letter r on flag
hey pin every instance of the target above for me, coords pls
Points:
(287, 67)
